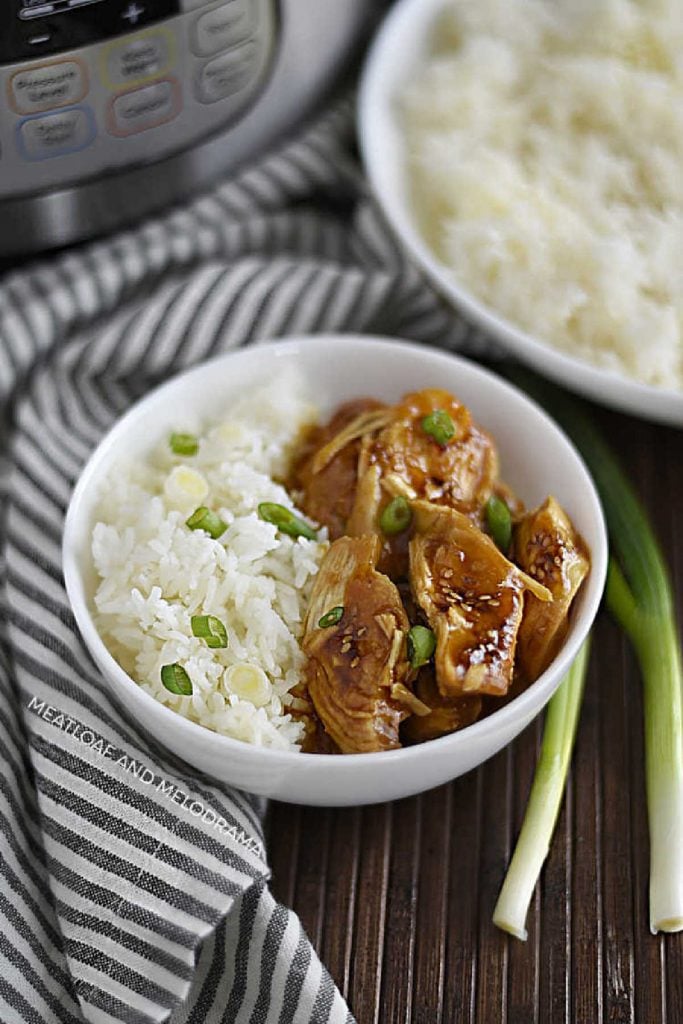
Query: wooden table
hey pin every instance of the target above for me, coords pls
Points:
(398, 898)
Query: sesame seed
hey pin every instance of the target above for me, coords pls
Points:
(355, 662)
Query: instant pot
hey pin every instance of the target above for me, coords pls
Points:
(111, 109)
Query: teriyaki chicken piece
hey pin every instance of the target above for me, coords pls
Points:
(355, 639)
(473, 599)
(548, 548)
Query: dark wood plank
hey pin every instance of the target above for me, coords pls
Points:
(462, 953)
(282, 838)
(650, 993)
(494, 853)
(401, 918)
(523, 973)
(370, 917)
(311, 870)
(340, 898)
(617, 873)
(436, 829)
(587, 948)
(554, 960)
(649, 952)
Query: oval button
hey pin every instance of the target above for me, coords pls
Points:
(141, 109)
(46, 86)
(226, 75)
(221, 28)
(138, 59)
(65, 131)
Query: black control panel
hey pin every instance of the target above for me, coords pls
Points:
(31, 29)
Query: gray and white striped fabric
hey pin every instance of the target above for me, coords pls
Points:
(132, 888)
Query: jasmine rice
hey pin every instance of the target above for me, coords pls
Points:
(160, 580)
(545, 155)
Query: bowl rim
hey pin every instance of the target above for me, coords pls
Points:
(515, 709)
(664, 404)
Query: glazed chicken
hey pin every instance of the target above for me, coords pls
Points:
(472, 597)
(412, 499)
(326, 470)
(459, 472)
(369, 454)
(357, 667)
(547, 547)
(446, 714)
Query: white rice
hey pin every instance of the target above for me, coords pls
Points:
(545, 144)
(155, 573)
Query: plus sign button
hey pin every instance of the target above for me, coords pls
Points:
(133, 13)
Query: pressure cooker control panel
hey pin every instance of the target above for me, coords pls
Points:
(95, 85)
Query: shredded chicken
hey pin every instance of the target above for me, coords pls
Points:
(355, 664)
(472, 597)
(363, 517)
(327, 485)
(446, 714)
(362, 425)
(369, 454)
(402, 459)
(549, 549)
(460, 474)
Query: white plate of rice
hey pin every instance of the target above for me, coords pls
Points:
(136, 575)
(528, 157)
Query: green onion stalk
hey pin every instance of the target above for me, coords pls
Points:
(543, 808)
(640, 597)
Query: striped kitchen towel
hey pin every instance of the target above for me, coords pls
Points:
(133, 889)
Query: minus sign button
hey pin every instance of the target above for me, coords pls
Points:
(37, 40)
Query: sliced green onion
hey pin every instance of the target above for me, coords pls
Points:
(545, 799)
(396, 517)
(285, 520)
(499, 522)
(184, 444)
(204, 519)
(248, 682)
(421, 645)
(176, 680)
(640, 596)
(332, 617)
(440, 426)
(210, 629)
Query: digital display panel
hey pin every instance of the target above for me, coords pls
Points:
(30, 29)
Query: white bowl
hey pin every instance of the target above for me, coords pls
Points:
(401, 47)
(536, 458)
